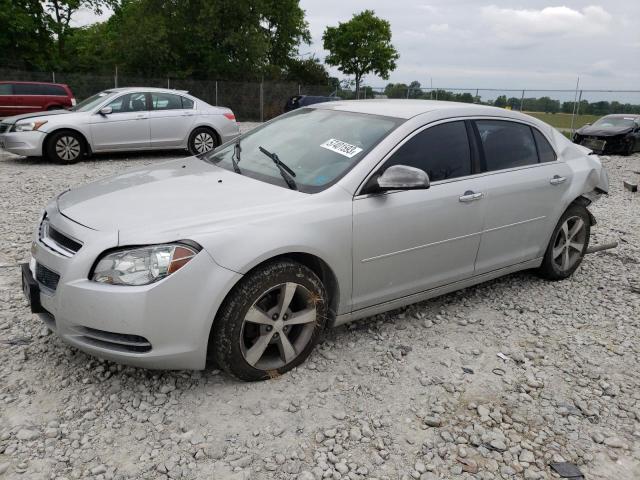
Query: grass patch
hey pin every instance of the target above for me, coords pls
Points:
(563, 120)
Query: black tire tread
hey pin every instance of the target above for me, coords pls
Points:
(548, 270)
(224, 344)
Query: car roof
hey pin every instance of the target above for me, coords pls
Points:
(145, 89)
(623, 115)
(33, 83)
(406, 109)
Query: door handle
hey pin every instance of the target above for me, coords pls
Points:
(470, 196)
(557, 180)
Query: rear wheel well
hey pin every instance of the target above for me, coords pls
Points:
(211, 129)
(50, 135)
(584, 202)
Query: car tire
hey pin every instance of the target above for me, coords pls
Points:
(568, 244)
(202, 140)
(254, 337)
(65, 147)
(629, 148)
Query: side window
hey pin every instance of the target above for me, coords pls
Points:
(187, 103)
(166, 101)
(545, 151)
(441, 151)
(6, 89)
(131, 102)
(506, 144)
(54, 90)
(25, 89)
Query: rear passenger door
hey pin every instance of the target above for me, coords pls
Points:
(524, 186)
(170, 119)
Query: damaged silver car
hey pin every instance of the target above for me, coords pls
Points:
(325, 215)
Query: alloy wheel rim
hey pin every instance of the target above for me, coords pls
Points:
(68, 148)
(569, 243)
(278, 326)
(203, 142)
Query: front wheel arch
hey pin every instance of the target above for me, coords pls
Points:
(316, 264)
(51, 134)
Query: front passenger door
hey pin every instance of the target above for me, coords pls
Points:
(126, 127)
(405, 242)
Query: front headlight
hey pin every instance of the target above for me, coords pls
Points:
(28, 126)
(143, 265)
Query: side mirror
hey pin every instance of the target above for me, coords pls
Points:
(105, 111)
(403, 177)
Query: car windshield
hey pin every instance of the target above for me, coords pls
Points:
(91, 102)
(614, 122)
(319, 146)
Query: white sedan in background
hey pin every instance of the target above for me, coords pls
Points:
(120, 120)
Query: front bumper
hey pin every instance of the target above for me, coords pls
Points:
(28, 144)
(164, 325)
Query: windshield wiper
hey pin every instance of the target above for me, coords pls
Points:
(285, 171)
(235, 158)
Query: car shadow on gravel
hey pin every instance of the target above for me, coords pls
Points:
(110, 157)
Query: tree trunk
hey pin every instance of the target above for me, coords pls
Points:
(358, 86)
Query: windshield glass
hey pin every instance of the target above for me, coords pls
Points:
(91, 102)
(614, 122)
(319, 146)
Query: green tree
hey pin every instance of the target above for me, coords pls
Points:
(25, 41)
(60, 13)
(501, 101)
(308, 71)
(361, 46)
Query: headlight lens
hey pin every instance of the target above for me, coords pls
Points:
(142, 266)
(28, 126)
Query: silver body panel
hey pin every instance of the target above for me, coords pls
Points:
(384, 250)
(123, 131)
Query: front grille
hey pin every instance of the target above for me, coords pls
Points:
(62, 239)
(57, 241)
(122, 342)
(47, 277)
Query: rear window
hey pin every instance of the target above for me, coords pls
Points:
(187, 103)
(545, 151)
(506, 144)
(5, 89)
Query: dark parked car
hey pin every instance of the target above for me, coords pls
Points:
(298, 101)
(28, 97)
(611, 134)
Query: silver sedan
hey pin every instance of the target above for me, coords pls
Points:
(325, 215)
(120, 120)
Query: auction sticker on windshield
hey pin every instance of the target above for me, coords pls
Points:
(343, 148)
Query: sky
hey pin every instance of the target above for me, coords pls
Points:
(532, 44)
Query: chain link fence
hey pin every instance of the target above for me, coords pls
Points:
(250, 101)
(566, 110)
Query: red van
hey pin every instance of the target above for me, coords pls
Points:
(27, 97)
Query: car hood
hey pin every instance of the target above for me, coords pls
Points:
(25, 116)
(176, 196)
(596, 131)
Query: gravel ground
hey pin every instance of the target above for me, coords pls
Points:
(493, 382)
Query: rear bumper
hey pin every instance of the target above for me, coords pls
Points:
(28, 144)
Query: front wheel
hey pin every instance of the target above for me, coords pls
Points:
(65, 147)
(270, 322)
(202, 140)
(568, 244)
